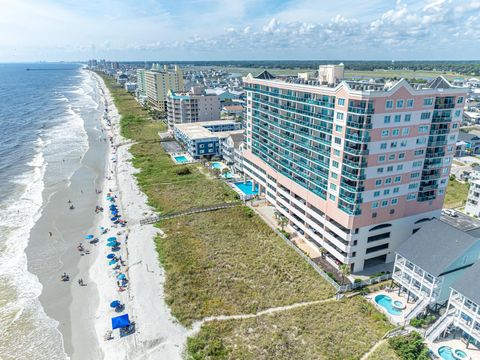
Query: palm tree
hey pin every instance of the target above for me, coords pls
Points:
(345, 270)
(323, 252)
(282, 221)
(216, 172)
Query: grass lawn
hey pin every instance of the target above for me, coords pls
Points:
(456, 195)
(331, 331)
(231, 262)
(384, 352)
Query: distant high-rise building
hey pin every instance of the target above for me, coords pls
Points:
(192, 106)
(356, 167)
(141, 86)
(157, 84)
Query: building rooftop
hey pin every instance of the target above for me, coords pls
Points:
(469, 283)
(233, 107)
(436, 246)
(198, 130)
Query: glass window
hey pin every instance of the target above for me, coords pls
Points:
(394, 201)
(338, 141)
(425, 115)
(388, 181)
(379, 170)
(385, 133)
(421, 140)
(376, 194)
(333, 186)
(398, 118)
(409, 104)
(335, 163)
(399, 104)
(334, 175)
(418, 152)
(396, 190)
(341, 101)
(375, 205)
(400, 167)
(395, 132)
(411, 197)
(386, 192)
(405, 131)
(393, 144)
(401, 156)
(458, 113)
(381, 158)
(339, 116)
(384, 203)
(391, 157)
(389, 168)
(414, 175)
(336, 152)
(389, 104)
(398, 179)
(338, 128)
(383, 146)
(378, 182)
(423, 129)
(427, 101)
(332, 197)
(412, 186)
(386, 119)
(460, 100)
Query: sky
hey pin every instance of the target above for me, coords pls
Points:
(52, 30)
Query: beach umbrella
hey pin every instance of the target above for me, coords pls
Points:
(111, 262)
(115, 303)
(120, 322)
(114, 212)
(110, 256)
(114, 218)
(121, 277)
(113, 238)
(113, 244)
(88, 237)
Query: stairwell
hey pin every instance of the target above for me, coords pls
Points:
(417, 309)
(440, 325)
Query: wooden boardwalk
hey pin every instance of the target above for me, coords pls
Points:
(156, 218)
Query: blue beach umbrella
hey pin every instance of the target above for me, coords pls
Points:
(115, 303)
(121, 277)
(111, 262)
(113, 238)
(110, 256)
(112, 244)
(120, 322)
(114, 218)
(88, 237)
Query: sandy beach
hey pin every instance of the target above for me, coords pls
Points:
(157, 335)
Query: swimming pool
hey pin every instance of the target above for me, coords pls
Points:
(217, 165)
(227, 175)
(447, 353)
(181, 159)
(385, 301)
(246, 187)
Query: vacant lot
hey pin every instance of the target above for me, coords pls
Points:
(329, 331)
(456, 195)
(230, 262)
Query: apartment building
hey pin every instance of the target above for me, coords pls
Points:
(141, 86)
(353, 166)
(158, 83)
(192, 106)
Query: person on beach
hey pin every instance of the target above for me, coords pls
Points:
(50, 233)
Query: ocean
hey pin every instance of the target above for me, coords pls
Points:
(43, 113)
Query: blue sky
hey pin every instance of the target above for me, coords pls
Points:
(239, 29)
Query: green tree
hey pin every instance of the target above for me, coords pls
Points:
(282, 221)
(345, 270)
(410, 347)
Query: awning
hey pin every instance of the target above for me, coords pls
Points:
(119, 322)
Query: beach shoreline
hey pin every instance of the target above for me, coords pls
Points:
(158, 334)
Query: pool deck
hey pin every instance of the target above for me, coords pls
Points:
(455, 344)
(395, 319)
(184, 154)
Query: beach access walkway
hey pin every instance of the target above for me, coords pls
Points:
(156, 218)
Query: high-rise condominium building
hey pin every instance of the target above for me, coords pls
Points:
(158, 83)
(141, 86)
(192, 106)
(355, 167)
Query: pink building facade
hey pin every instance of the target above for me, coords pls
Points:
(356, 167)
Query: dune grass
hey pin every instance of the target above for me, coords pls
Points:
(336, 330)
(231, 262)
(383, 352)
(456, 194)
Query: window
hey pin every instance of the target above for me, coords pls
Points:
(408, 117)
(338, 128)
(425, 115)
(339, 116)
(335, 164)
(393, 144)
(454, 126)
(389, 168)
(411, 197)
(396, 190)
(404, 143)
(386, 119)
(458, 113)
(338, 141)
(395, 132)
(336, 152)
(421, 140)
(385, 133)
(383, 146)
(384, 203)
(334, 175)
(427, 101)
(378, 182)
(394, 201)
(398, 118)
(397, 179)
(423, 129)
(414, 175)
(333, 186)
(332, 197)
(391, 157)
(412, 186)
(389, 104)
(410, 103)
(418, 152)
(341, 102)
(381, 158)
(375, 205)
(460, 100)
(405, 131)
(376, 194)
(379, 170)
(401, 156)
(399, 104)
(388, 181)
(378, 237)
(400, 167)
(386, 192)
(417, 163)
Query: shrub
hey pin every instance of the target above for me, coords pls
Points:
(409, 347)
(356, 281)
(184, 171)
(248, 212)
